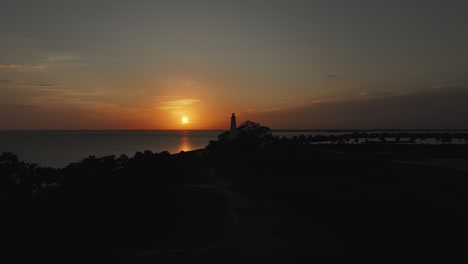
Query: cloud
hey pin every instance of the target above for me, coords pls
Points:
(447, 85)
(62, 58)
(380, 93)
(283, 106)
(17, 39)
(20, 66)
(8, 65)
(445, 108)
(41, 86)
(66, 59)
(15, 107)
(177, 104)
(57, 59)
(332, 76)
(52, 60)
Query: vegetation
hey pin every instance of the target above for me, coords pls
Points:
(251, 131)
(381, 137)
(255, 199)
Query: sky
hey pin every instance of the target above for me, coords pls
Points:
(289, 64)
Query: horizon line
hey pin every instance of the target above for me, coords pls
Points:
(273, 130)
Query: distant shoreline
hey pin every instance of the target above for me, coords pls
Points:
(221, 130)
(111, 130)
(58, 148)
(369, 129)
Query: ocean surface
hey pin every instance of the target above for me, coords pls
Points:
(60, 148)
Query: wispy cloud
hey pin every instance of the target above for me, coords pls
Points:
(447, 85)
(62, 58)
(177, 104)
(430, 108)
(282, 106)
(53, 95)
(16, 39)
(381, 93)
(59, 59)
(21, 66)
(4, 107)
(9, 65)
(14, 83)
(68, 100)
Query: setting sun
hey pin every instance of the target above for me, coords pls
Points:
(185, 120)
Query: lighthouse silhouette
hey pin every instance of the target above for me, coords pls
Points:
(233, 132)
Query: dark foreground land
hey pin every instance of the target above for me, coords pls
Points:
(287, 203)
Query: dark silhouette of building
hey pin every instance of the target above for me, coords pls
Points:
(233, 131)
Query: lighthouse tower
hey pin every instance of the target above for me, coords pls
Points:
(233, 132)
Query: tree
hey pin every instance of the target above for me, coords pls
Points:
(225, 136)
(252, 130)
(422, 138)
(446, 138)
(251, 135)
(16, 179)
(302, 139)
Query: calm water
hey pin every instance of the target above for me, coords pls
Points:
(59, 148)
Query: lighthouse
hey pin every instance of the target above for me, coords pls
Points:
(233, 132)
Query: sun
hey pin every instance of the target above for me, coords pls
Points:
(185, 120)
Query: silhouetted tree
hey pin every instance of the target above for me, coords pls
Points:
(382, 139)
(422, 138)
(302, 139)
(446, 138)
(16, 179)
(224, 136)
(253, 135)
(250, 129)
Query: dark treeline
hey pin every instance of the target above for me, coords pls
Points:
(252, 199)
(101, 206)
(382, 137)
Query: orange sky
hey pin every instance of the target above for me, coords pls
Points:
(285, 64)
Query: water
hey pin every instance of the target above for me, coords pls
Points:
(59, 148)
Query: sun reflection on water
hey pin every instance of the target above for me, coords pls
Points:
(184, 144)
